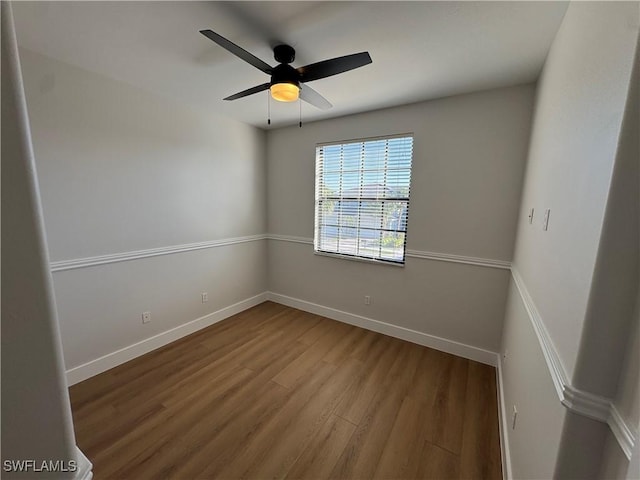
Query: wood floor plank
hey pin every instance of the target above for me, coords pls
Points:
(343, 348)
(305, 362)
(153, 368)
(274, 392)
(424, 382)
(191, 423)
(401, 455)
(279, 322)
(189, 412)
(480, 455)
(449, 404)
(165, 361)
(132, 446)
(262, 442)
(404, 367)
(359, 396)
(168, 381)
(173, 381)
(96, 438)
(362, 453)
(320, 328)
(301, 325)
(218, 437)
(261, 400)
(232, 440)
(304, 426)
(322, 453)
(367, 344)
(438, 464)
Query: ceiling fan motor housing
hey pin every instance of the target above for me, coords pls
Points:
(285, 73)
(284, 53)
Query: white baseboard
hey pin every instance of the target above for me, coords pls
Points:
(437, 343)
(99, 365)
(85, 467)
(503, 418)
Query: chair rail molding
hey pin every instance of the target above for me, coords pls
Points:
(422, 254)
(62, 265)
(595, 407)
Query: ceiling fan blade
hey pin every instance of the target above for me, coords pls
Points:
(309, 95)
(327, 68)
(249, 91)
(237, 51)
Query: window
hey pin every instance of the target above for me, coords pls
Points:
(362, 198)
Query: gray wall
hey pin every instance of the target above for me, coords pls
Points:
(123, 170)
(181, 176)
(618, 250)
(581, 274)
(616, 280)
(469, 155)
(528, 386)
(580, 100)
(36, 418)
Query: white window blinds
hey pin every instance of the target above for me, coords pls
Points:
(362, 198)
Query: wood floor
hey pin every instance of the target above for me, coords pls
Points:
(274, 392)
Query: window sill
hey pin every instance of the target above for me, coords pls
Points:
(358, 259)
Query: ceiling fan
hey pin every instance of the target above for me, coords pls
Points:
(288, 83)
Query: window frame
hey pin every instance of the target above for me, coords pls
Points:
(318, 199)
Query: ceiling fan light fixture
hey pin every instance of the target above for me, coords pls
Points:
(285, 80)
(285, 91)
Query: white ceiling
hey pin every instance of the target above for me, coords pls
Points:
(420, 50)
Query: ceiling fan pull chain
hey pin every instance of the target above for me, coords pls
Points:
(268, 108)
(300, 103)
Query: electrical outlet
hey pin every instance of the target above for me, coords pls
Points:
(514, 416)
(367, 300)
(146, 317)
(205, 297)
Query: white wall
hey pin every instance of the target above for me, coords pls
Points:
(122, 170)
(36, 417)
(528, 386)
(627, 399)
(469, 154)
(616, 279)
(627, 403)
(581, 97)
(574, 150)
(621, 232)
